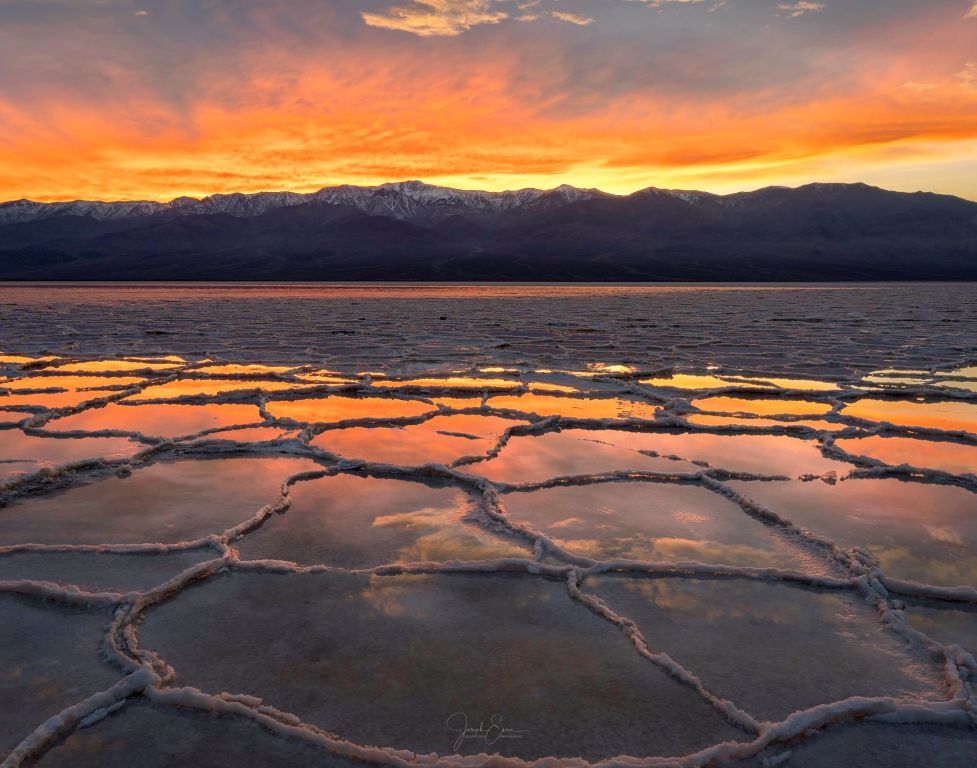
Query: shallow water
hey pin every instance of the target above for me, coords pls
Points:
(373, 552)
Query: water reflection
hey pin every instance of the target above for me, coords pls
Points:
(357, 522)
(450, 382)
(650, 521)
(950, 623)
(955, 458)
(772, 648)
(584, 408)
(920, 532)
(758, 454)
(50, 400)
(381, 661)
(115, 366)
(707, 420)
(571, 452)
(70, 382)
(46, 663)
(441, 440)
(808, 385)
(762, 406)
(691, 381)
(167, 502)
(200, 387)
(21, 453)
(158, 420)
(949, 415)
(237, 369)
(336, 408)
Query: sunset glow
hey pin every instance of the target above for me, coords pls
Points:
(116, 99)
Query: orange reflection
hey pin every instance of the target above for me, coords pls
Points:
(810, 385)
(29, 454)
(336, 408)
(917, 531)
(441, 440)
(70, 382)
(451, 382)
(706, 420)
(158, 420)
(648, 521)
(189, 387)
(166, 502)
(356, 521)
(21, 360)
(251, 434)
(689, 381)
(114, 366)
(53, 399)
(322, 378)
(585, 408)
(762, 406)
(458, 403)
(954, 458)
(950, 415)
(235, 369)
(760, 454)
(545, 386)
(571, 452)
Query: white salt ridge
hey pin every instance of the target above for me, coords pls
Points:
(852, 571)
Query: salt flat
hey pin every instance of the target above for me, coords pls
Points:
(835, 329)
(672, 526)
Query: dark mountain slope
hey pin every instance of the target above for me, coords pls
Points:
(412, 231)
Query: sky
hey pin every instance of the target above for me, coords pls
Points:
(154, 99)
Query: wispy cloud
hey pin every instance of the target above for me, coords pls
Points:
(969, 75)
(801, 7)
(572, 18)
(972, 13)
(436, 18)
(446, 18)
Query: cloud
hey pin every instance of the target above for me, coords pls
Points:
(801, 7)
(662, 3)
(436, 18)
(245, 95)
(572, 18)
(969, 75)
(448, 18)
(972, 13)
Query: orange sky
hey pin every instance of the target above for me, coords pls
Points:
(116, 99)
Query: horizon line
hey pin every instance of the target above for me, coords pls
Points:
(476, 191)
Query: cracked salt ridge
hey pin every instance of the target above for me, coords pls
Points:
(48, 657)
(785, 646)
(915, 531)
(474, 641)
(892, 618)
(166, 501)
(351, 521)
(153, 423)
(627, 521)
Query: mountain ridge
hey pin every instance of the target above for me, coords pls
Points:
(255, 203)
(369, 198)
(412, 230)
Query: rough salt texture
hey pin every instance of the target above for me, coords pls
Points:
(147, 583)
(832, 329)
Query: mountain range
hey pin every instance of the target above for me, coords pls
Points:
(416, 231)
